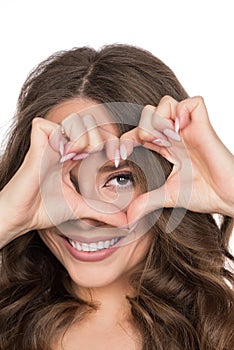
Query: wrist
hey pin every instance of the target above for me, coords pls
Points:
(8, 232)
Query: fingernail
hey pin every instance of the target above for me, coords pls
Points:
(161, 142)
(67, 157)
(123, 152)
(117, 158)
(61, 148)
(171, 134)
(81, 156)
(177, 125)
(133, 227)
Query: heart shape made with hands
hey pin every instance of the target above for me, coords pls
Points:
(87, 145)
(176, 164)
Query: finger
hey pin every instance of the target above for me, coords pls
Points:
(44, 132)
(156, 124)
(97, 210)
(128, 141)
(95, 139)
(192, 109)
(76, 131)
(147, 203)
(167, 108)
(111, 146)
(163, 149)
(152, 124)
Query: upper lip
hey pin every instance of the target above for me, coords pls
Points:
(87, 226)
(76, 231)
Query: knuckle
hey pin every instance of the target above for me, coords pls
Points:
(81, 142)
(166, 99)
(143, 133)
(199, 99)
(125, 136)
(37, 121)
(151, 107)
(194, 99)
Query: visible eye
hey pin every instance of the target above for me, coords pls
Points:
(123, 181)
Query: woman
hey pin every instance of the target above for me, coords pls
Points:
(90, 260)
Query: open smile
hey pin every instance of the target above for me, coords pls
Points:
(93, 246)
(92, 251)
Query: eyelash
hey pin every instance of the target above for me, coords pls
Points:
(126, 176)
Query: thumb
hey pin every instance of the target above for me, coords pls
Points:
(147, 203)
(100, 211)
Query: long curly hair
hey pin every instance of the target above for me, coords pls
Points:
(184, 287)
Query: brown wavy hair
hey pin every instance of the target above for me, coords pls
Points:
(184, 300)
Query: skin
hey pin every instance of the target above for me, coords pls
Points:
(105, 281)
(198, 182)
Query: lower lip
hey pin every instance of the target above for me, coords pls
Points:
(90, 256)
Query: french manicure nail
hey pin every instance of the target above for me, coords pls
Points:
(171, 134)
(163, 143)
(177, 125)
(61, 148)
(117, 158)
(67, 157)
(123, 152)
(81, 156)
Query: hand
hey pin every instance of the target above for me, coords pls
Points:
(202, 176)
(41, 194)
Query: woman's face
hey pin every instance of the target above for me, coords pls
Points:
(97, 254)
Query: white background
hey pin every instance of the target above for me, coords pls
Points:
(195, 38)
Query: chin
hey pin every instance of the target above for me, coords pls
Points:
(97, 270)
(93, 277)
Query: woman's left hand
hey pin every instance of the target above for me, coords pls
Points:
(202, 177)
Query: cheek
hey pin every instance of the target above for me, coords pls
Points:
(48, 237)
(135, 250)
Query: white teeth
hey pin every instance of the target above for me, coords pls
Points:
(85, 247)
(100, 245)
(93, 247)
(107, 244)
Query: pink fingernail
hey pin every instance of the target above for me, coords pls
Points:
(117, 158)
(172, 134)
(162, 143)
(61, 148)
(177, 125)
(81, 156)
(67, 157)
(123, 152)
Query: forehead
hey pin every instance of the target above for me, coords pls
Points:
(82, 107)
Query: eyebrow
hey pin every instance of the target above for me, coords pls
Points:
(111, 167)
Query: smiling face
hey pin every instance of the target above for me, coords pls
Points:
(93, 253)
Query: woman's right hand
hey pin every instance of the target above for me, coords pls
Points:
(41, 194)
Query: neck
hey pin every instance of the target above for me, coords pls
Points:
(113, 307)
